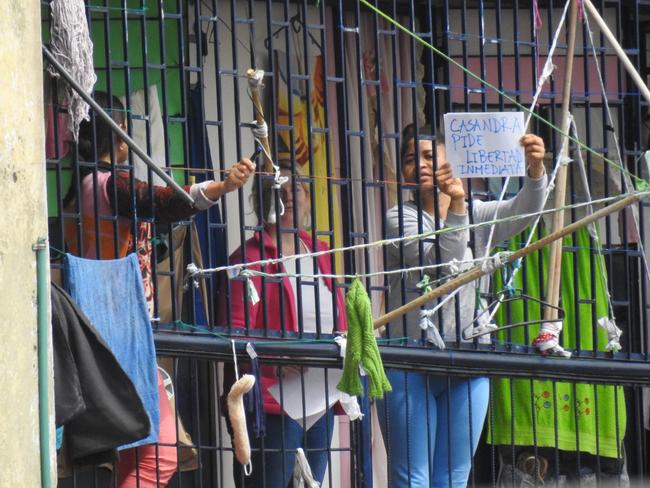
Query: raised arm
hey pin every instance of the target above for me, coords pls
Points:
(167, 206)
(529, 200)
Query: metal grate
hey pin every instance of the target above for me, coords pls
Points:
(341, 83)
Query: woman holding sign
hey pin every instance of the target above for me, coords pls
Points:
(432, 424)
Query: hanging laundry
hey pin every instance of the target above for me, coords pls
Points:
(111, 294)
(147, 131)
(94, 397)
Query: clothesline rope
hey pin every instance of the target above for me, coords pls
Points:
(397, 240)
(501, 92)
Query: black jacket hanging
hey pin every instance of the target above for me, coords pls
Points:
(94, 398)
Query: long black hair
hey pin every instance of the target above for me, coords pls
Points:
(96, 139)
(408, 134)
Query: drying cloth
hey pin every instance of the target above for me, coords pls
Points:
(147, 131)
(254, 398)
(93, 396)
(111, 294)
(592, 416)
(73, 49)
(361, 347)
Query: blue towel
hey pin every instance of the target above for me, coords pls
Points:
(111, 294)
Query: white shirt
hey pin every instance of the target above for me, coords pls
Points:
(308, 295)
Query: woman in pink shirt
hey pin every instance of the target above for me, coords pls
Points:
(104, 195)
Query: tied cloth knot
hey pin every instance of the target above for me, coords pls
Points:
(454, 266)
(193, 275)
(433, 334)
(613, 334)
(362, 347)
(251, 292)
(494, 262)
(302, 475)
(425, 284)
(485, 326)
(548, 340)
(259, 131)
(256, 79)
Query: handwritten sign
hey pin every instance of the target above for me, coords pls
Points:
(485, 144)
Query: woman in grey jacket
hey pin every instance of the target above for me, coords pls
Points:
(431, 423)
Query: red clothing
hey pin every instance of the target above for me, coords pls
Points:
(266, 312)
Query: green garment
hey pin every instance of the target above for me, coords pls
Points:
(524, 412)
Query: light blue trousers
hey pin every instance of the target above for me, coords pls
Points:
(431, 426)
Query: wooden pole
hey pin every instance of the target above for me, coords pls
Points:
(631, 70)
(555, 260)
(477, 271)
(259, 118)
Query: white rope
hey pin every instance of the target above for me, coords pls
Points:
(546, 73)
(453, 271)
(626, 176)
(593, 227)
(538, 216)
(533, 229)
(235, 269)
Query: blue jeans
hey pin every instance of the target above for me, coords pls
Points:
(274, 455)
(420, 433)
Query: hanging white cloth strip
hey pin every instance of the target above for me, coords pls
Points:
(302, 476)
(71, 46)
(613, 334)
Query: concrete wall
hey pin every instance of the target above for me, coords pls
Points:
(22, 222)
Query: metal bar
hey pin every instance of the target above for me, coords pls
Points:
(452, 362)
(116, 128)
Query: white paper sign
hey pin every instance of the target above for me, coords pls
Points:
(314, 394)
(485, 144)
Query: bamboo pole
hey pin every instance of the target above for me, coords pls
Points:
(477, 271)
(555, 260)
(631, 70)
(259, 116)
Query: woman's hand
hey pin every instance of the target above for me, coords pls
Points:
(452, 187)
(535, 150)
(237, 177)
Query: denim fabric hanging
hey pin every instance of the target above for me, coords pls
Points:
(111, 294)
(253, 400)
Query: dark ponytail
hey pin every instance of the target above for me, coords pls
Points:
(95, 140)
